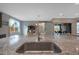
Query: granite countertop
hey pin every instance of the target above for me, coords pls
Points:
(68, 45)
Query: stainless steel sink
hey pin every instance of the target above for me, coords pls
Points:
(39, 46)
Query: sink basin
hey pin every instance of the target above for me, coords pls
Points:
(38, 46)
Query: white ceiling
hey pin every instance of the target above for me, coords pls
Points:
(40, 11)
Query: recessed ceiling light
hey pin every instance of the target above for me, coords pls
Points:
(61, 14)
(76, 13)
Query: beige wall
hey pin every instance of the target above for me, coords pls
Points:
(74, 26)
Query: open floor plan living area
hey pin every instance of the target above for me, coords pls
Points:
(39, 29)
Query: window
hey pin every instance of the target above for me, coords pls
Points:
(14, 26)
(56, 28)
